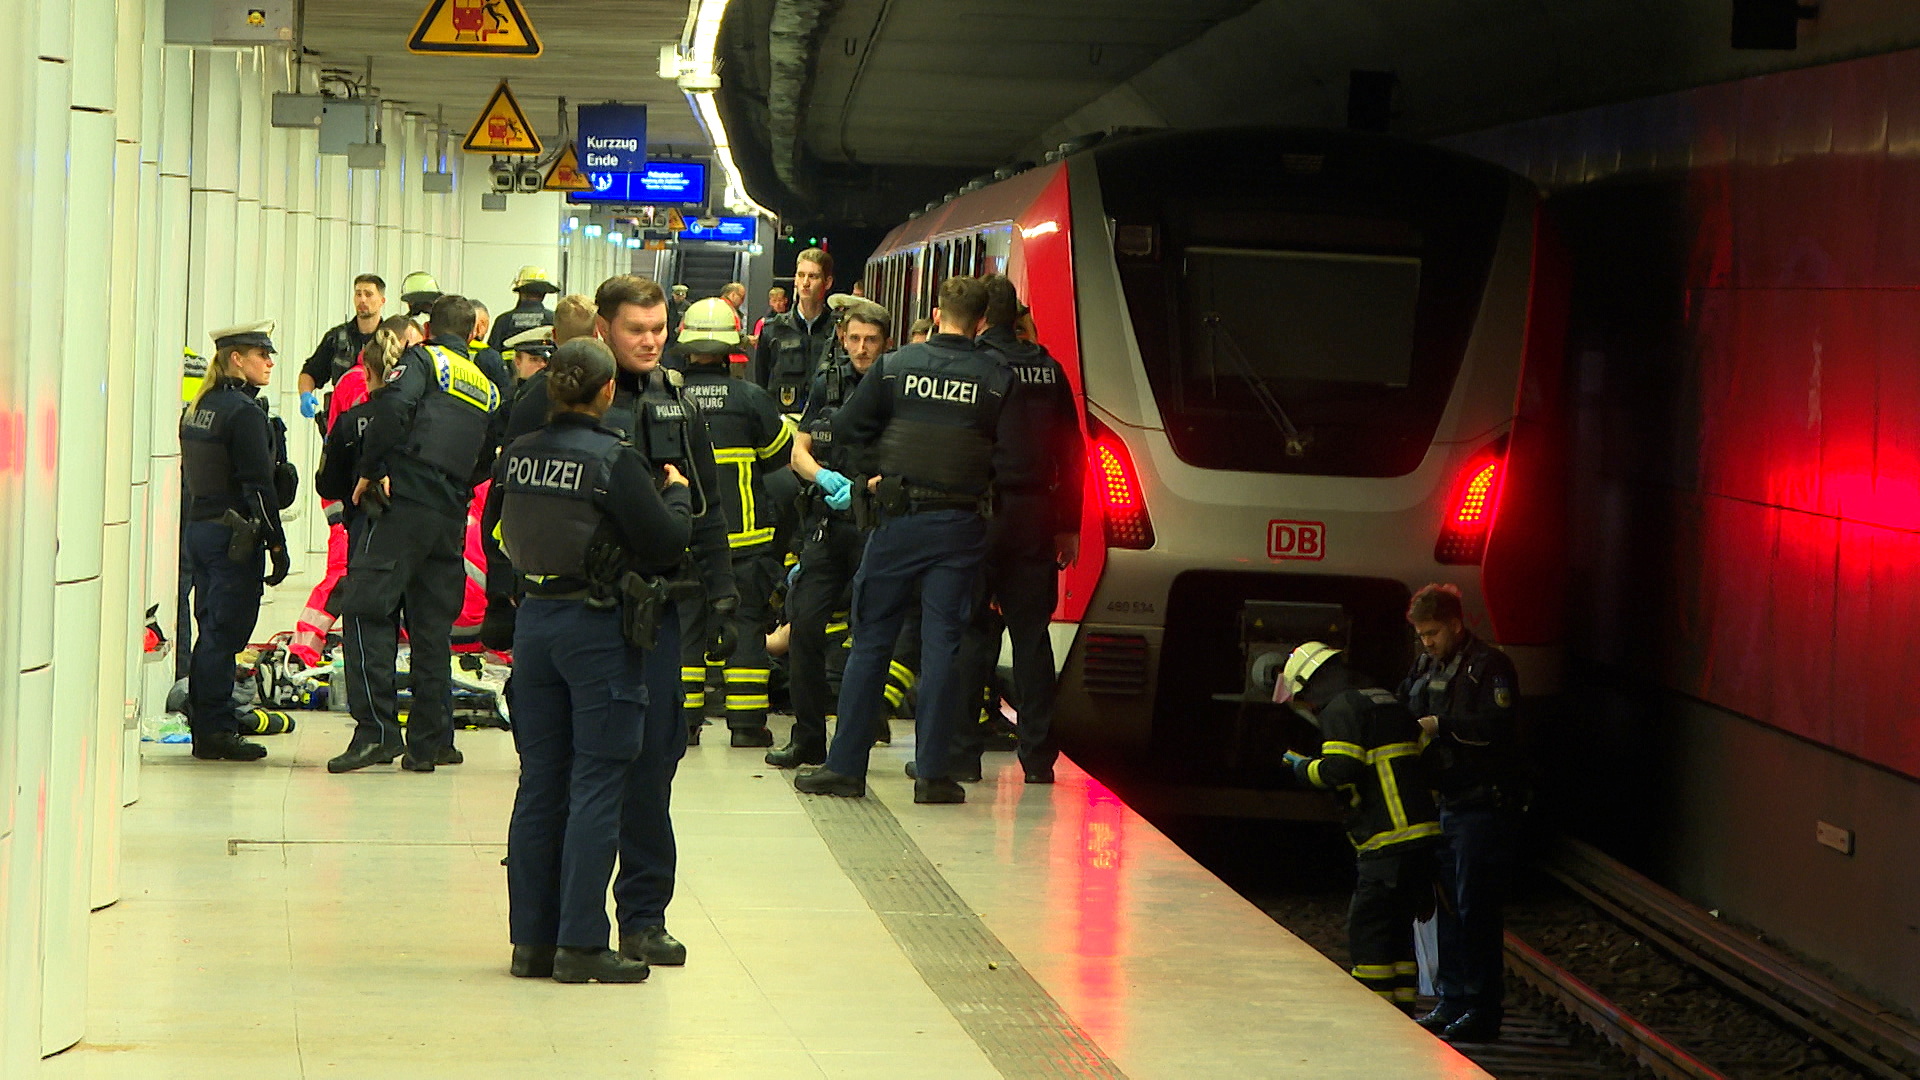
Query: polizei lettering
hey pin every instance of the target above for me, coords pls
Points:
(1034, 374)
(552, 474)
(934, 388)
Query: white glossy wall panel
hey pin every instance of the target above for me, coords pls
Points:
(96, 47)
(44, 292)
(21, 961)
(116, 631)
(216, 120)
(83, 472)
(67, 862)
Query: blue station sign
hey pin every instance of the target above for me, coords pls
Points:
(613, 138)
(657, 182)
(726, 230)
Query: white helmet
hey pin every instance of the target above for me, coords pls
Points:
(1300, 666)
(710, 325)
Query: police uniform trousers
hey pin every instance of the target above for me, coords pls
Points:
(1018, 586)
(648, 857)
(1475, 867)
(226, 603)
(746, 672)
(407, 559)
(579, 710)
(1393, 891)
(829, 559)
(940, 552)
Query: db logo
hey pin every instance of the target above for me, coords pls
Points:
(1296, 540)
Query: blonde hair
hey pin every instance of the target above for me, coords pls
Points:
(572, 318)
(389, 341)
(219, 367)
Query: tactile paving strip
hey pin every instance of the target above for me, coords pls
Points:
(1019, 1026)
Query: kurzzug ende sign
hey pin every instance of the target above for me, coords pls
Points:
(612, 139)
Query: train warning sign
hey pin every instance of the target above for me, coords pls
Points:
(502, 127)
(676, 222)
(474, 28)
(565, 175)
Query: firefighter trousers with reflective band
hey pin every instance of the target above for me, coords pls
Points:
(1017, 590)
(746, 672)
(1394, 889)
(408, 560)
(648, 856)
(579, 703)
(828, 561)
(226, 604)
(938, 553)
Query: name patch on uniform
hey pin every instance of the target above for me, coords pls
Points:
(934, 388)
(1035, 375)
(552, 474)
(668, 412)
(710, 398)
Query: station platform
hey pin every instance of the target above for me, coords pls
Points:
(281, 922)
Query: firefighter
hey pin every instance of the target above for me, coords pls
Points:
(1370, 754)
(750, 439)
(532, 286)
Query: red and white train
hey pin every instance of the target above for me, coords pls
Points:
(1319, 369)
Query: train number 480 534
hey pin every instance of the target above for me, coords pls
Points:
(1296, 540)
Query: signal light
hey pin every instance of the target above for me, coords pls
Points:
(1471, 510)
(1123, 505)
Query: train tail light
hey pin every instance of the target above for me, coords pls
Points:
(1123, 505)
(1471, 509)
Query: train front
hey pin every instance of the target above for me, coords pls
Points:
(1321, 370)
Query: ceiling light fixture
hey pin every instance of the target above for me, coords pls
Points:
(698, 79)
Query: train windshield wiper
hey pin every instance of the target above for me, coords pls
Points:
(1217, 337)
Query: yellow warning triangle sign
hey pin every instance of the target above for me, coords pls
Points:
(565, 175)
(675, 222)
(474, 28)
(502, 127)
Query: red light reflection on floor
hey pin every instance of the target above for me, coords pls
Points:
(1089, 857)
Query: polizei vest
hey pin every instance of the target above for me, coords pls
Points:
(946, 404)
(548, 515)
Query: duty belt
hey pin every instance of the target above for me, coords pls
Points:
(924, 500)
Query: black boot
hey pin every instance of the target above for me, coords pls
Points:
(825, 781)
(532, 962)
(1474, 1026)
(654, 945)
(414, 764)
(759, 736)
(450, 756)
(359, 755)
(938, 791)
(1441, 1016)
(226, 746)
(596, 965)
(795, 754)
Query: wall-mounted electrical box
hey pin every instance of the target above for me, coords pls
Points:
(230, 22)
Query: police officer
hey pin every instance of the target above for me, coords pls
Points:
(431, 440)
(795, 346)
(1464, 692)
(532, 286)
(233, 462)
(340, 346)
(750, 440)
(928, 416)
(1370, 753)
(1034, 532)
(579, 678)
(648, 407)
(339, 468)
(831, 542)
(528, 352)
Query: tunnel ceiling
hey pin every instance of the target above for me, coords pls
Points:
(865, 109)
(595, 50)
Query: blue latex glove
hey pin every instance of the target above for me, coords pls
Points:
(838, 489)
(309, 404)
(1293, 760)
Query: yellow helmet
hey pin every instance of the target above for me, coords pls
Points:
(533, 279)
(708, 323)
(1300, 666)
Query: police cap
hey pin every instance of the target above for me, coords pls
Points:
(537, 341)
(245, 336)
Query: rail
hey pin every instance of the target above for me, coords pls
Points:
(1638, 1041)
(1857, 1029)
